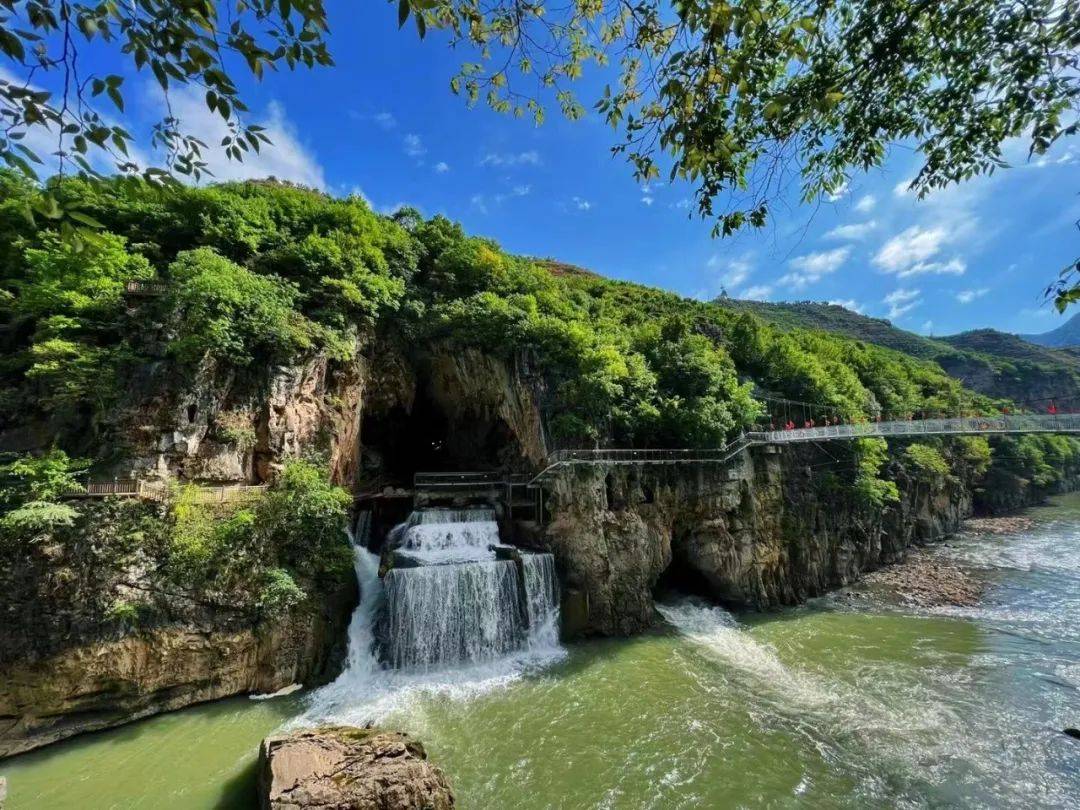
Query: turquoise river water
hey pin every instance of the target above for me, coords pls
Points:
(839, 703)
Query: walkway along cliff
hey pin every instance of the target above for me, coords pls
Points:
(773, 525)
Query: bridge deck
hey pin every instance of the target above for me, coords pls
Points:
(999, 424)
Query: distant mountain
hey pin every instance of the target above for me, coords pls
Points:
(837, 319)
(994, 363)
(1068, 334)
(1013, 347)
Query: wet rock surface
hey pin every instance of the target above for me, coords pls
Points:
(344, 767)
(925, 579)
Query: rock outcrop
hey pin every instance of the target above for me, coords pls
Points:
(343, 767)
(768, 531)
(93, 635)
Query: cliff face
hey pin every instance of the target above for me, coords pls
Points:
(759, 534)
(223, 428)
(93, 633)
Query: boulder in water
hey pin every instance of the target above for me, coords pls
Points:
(1072, 732)
(345, 767)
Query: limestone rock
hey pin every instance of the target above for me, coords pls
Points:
(342, 767)
(761, 533)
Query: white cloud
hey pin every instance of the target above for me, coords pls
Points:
(414, 147)
(953, 267)
(848, 303)
(856, 230)
(928, 327)
(385, 120)
(521, 191)
(733, 271)
(866, 204)
(582, 205)
(42, 139)
(530, 158)
(647, 200)
(760, 292)
(839, 194)
(967, 296)
(910, 247)
(685, 202)
(902, 189)
(901, 301)
(478, 202)
(285, 158)
(442, 167)
(811, 267)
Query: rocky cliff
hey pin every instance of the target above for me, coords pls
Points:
(771, 530)
(94, 633)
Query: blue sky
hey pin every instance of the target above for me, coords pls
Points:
(384, 123)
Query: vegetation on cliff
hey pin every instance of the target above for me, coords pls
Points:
(259, 556)
(243, 277)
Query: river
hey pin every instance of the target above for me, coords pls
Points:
(839, 703)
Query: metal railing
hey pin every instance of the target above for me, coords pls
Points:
(717, 455)
(969, 425)
(458, 481)
(157, 491)
(136, 287)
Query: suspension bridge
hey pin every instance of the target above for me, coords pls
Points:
(998, 424)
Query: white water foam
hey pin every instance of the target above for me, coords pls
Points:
(368, 691)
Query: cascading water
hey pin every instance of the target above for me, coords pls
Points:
(454, 602)
(439, 536)
(447, 614)
(541, 599)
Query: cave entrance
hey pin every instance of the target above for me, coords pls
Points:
(680, 579)
(398, 443)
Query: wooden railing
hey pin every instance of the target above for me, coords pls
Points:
(159, 491)
(145, 288)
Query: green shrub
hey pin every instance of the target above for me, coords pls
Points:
(927, 464)
(302, 518)
(279, 593)
(870, 457)
(123, 612)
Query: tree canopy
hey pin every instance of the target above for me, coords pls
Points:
(740, 99)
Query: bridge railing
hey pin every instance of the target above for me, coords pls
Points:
(653, 456)
(458, 480)
(157, 491)
(1000, 423)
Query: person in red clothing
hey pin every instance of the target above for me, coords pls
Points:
(1052, 408)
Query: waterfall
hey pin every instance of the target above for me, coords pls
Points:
(361, 661)
(541, 599)
(458, 626)
(448, 614)
(453, 602)
(439, 536)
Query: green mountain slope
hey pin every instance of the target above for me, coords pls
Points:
(994, 363)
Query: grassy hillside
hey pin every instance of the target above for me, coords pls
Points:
(994, 363)
(1003, 344)
(838, 320)
(251, 277)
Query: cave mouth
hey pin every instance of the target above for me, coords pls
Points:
(399, 442)
(680, 580)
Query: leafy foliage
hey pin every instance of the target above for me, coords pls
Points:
(183, 44)
(280, 593)
(870, 457)
(736, 97)
(928, 464)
